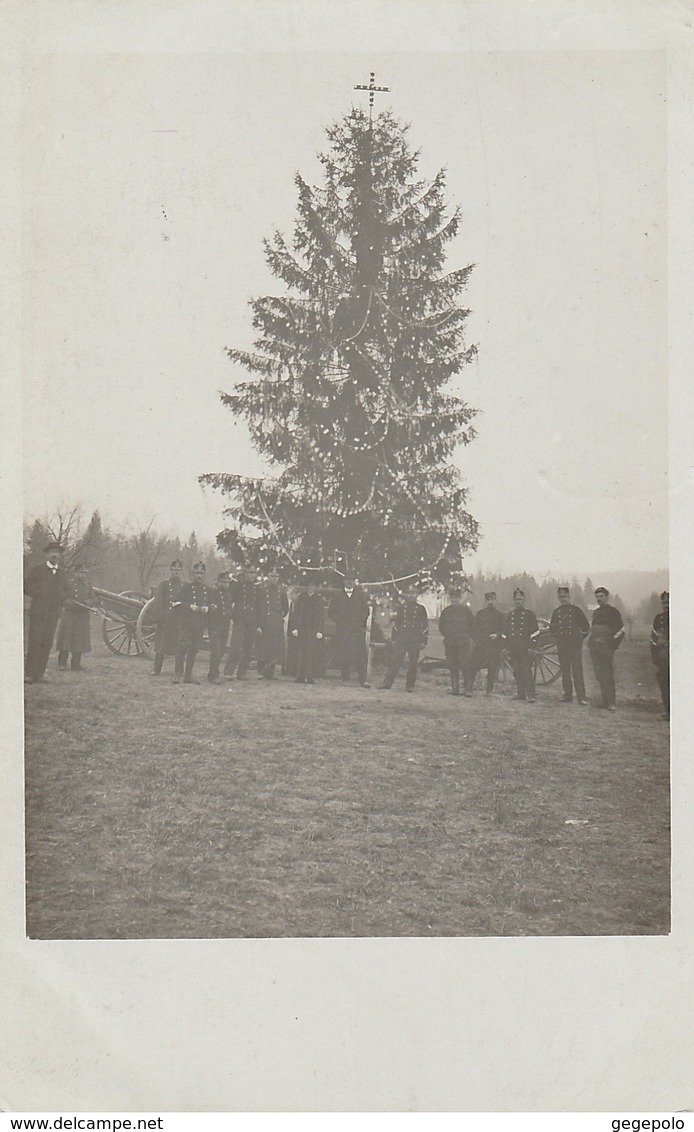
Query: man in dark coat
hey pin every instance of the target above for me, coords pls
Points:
(195, 601)
(350, 609)
(521, 632)
(606, 635)
(569, 626)
(218, 623)
(73, 631)
(660, 651)
(165, 611)
(272, 606)
(307, 626)
(244, 616)
(457, 627)
(410, 634)
(489, 635)
(47, 587)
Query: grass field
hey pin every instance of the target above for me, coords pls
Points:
(256, 810)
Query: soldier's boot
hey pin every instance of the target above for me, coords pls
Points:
(76, 662)
(190, 661)
(158, 662)
(455, 682)
(62, 661)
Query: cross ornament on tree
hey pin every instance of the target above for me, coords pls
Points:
(372, 88)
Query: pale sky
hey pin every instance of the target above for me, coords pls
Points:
(150, 181)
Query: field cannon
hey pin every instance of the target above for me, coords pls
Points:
(126, 629)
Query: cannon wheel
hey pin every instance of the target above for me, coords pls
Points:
(546, 664)
(120, 636)
(146, 630)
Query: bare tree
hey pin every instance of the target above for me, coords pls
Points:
(146, 548)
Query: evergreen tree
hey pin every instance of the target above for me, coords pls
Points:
(348, 399)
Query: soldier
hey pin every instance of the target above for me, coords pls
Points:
(660, 651)
(195, 600)
(521, 633)
(307, 626)
(218, 623)
(489, 635)
(457, 627)
(272, 606)
(47, 587)
(350, 609)
(165, 611)
(73, 630)
(244, 616)
(606, 635)
(569, 625)
(410, 634)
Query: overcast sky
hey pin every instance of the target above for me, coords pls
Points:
(152, 179)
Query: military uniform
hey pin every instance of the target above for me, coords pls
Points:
(244, 616)
(660, 655)
(457, 627)
(410, 634)
(218, 623)
(165, 611)
(272, 606)
(521, 632)
(569, 626)
(48, 588)
(350, 612)
(73, 631)
(486, 651)
(192, 625)
(606, 633)
(307, 620)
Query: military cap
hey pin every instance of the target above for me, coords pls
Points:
(562, 590)
(51, 546)
(199, 567)
(602, 590)
(177, 562)
(492, 593)
(223, 576)
(518, 593)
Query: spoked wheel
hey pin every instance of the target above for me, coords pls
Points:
(146, 630)
(120, 637)
(546, 665)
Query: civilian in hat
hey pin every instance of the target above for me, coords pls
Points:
(272, 606)
(218, 623)
(569, 626)
(165, 612)
(195, 601)
(457, 627)
(606, 635)
(244, 616)
(307, 627)
(521, 632)
(660, 651)
(410, 634)
(489, 636)
(350, 609)
(73, 631)
(47, 587)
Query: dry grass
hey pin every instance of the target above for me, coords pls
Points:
(282, 810)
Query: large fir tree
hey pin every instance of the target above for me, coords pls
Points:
(348, 396)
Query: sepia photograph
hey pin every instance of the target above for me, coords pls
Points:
(346, 574)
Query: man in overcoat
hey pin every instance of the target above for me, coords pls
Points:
(165, 611)
(410, 634)
(272, 606)
(244, 616)
(307, 626)
(489, 636)
(350, 609)
(606, 635)
(73, 631)
(660, 651)
(521, 633)
(569, 626)
(457, 627)
(47, 587)
(218, 623)
(195, 601)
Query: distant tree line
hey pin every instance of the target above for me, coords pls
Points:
(541, 597)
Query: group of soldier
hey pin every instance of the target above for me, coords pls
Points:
(245, 618)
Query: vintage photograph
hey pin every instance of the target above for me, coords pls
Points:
(346, 576)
